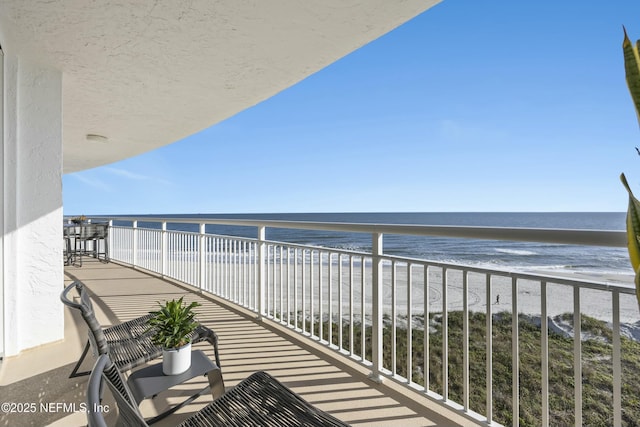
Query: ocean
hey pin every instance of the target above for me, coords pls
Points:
(482, 253)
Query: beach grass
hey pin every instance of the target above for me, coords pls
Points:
(597, 371)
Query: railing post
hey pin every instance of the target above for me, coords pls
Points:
(202, 251)
(163, 249)
(262, 263)
(134, 225)
(376, 294)
(109, 241)
(616, 361)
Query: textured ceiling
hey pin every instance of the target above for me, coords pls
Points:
(148, 73)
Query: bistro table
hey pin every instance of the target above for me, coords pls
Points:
(77, 236)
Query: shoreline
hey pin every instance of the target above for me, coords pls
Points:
(593, 302)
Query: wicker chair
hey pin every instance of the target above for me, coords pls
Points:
(128, 344)
(101, 242)
(259, 400)
(86, 233)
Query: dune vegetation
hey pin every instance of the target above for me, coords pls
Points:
(597, 371)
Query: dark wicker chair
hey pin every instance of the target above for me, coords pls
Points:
(128, 344)
(86, 233)
(101, 241)
(259, 400)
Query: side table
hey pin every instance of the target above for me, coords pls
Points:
(150, 381)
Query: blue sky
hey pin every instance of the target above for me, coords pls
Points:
(495, 105)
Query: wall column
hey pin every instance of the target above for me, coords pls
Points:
(32, 273)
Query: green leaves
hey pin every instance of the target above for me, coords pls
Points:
(633, 234)
(173, 323)
(632, 69)
(632, 73)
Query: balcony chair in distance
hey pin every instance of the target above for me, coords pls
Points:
(259, 400)
(101, 242)
(129, 343)
(95, 233)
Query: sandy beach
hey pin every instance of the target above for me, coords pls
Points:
(560, 297)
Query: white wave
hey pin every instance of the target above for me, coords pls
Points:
(520, 252)
(546, 267)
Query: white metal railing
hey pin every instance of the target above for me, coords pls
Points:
(357, 302)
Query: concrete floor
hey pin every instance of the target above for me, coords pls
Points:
(327, 380)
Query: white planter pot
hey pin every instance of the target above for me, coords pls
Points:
(176, 360)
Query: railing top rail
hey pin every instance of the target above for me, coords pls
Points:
(545, 235)
(623, 288)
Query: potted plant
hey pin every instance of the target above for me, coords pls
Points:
(79, 220)
(171, 327)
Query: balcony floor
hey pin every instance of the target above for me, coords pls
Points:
(321, 376)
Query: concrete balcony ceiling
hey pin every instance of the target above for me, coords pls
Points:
(145, 73)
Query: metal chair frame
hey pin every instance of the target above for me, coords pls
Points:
(258, 401)
(129, 343)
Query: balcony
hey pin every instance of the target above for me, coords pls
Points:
(271, 304)
(332, 383)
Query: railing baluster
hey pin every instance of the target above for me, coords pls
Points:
(351, 309)
(229, 264)
(427, 324)
(340, 308)
(134, 244)
(185, 261)
(188, 270)
(376, 301)
(394, 315)
(261, 270)
(182, 266)
(304, 293)
(225, 268)
(288, 286)
(330, 300)
(465, 340)
(363, 352)
(179, 259)
(445, 337)
(248, 273)
(295, 287)
(577, 356)
(489, 347)
(320, 299)
(544, 357)
(270, 279)
(409, 327)
(240, 262)
(616, 361)
(515, 352)
(311, 294)
(281, 298)
(237, 270)
(271, 287)
(232, 271)
(256, 277)
(216, 264)
(203, 253)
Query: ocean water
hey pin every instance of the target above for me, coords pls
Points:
(484, 253)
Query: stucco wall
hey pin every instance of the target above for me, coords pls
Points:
(32, 205)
